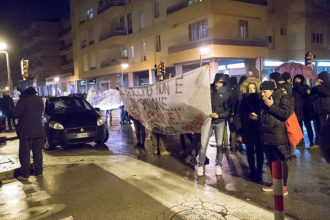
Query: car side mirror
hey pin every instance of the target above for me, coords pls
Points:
(97, 109)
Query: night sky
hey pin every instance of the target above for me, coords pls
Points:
(15, 15)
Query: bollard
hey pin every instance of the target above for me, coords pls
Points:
(278, 190)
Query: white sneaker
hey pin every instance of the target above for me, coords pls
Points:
(218, 170)
(200, 171)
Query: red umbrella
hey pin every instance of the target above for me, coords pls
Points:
(297, 69)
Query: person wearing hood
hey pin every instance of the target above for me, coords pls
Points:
(275, 110)
(250, 115)
(233, 101)
(301, 95)
(322, 108)
(30, 130)
(220, 112)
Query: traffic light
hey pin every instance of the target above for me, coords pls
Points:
(162, 68)
(25, 68)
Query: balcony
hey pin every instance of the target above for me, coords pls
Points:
(64, 32)
(257, 2)
(65, 47)
(217, 41)
(113, 32)
(177, 7)
(106, 4)
(113, 62)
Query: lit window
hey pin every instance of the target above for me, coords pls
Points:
(90, 13)
(243, 29)
(144, 51)
(132, 52)
(124, 53)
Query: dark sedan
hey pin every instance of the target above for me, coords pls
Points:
(72, 120)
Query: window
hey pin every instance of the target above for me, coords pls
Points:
(198, 30)
(141, 19)
(156, 8)
(158, 44)
(83, 43)
(124, 53)
(243, 29)
(270, 39)
(85, 63)
(132, 52)
(92, 61)
(144, 51)
(317, 38)
(283, 31)
(90, 14)
(129, 23)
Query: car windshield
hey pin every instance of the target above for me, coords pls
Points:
(66, 104)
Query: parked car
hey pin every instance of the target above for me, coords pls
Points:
(72, 120)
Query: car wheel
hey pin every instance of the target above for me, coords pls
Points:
(46, 145)
(104, 137)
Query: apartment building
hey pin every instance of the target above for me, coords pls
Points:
(296, 27)
(142, 33)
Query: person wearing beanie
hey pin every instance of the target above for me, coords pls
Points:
(274, 77)
(321, 92)
(287, 77)
(220, 112)
(301, 96)
(276, 108)
(30, 130)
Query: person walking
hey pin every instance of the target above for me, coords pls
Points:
(30, 131)
(275, 110)
(250, 115)
(108, 114)
(220, 112)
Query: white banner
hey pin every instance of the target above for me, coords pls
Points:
(175, 106)
(109, 99)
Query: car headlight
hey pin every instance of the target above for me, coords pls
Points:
(100, 121)
(56, 125)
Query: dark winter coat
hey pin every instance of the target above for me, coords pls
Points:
(29, 110)
(9, 104)
(322, 92)
(272, 119)
(219, 99)
(250, 128)
(299, 93)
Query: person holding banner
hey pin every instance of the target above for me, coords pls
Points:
(220, 111)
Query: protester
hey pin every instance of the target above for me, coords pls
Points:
(30, 130)
(325, 140)
(140, 132)
(322, 108)
(220, 111)
(158, 143)
(233, 106)
(275, 110)
(250, 115)
(300, 94)
(108, 114)
(8, 107)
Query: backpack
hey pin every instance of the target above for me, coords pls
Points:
(293, 130)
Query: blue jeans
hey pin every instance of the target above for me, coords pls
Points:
(108, 112)
(122, 113)
(218, 130)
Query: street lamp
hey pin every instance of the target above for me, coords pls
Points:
(124, 66)
(56, 79)
(203, 51)
(3, 48)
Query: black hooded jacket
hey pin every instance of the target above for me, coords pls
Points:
(322, 93)
(272, 120)
(28, 110)
(219, 99)
(300, 95)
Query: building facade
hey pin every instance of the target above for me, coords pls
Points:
(143, 33)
